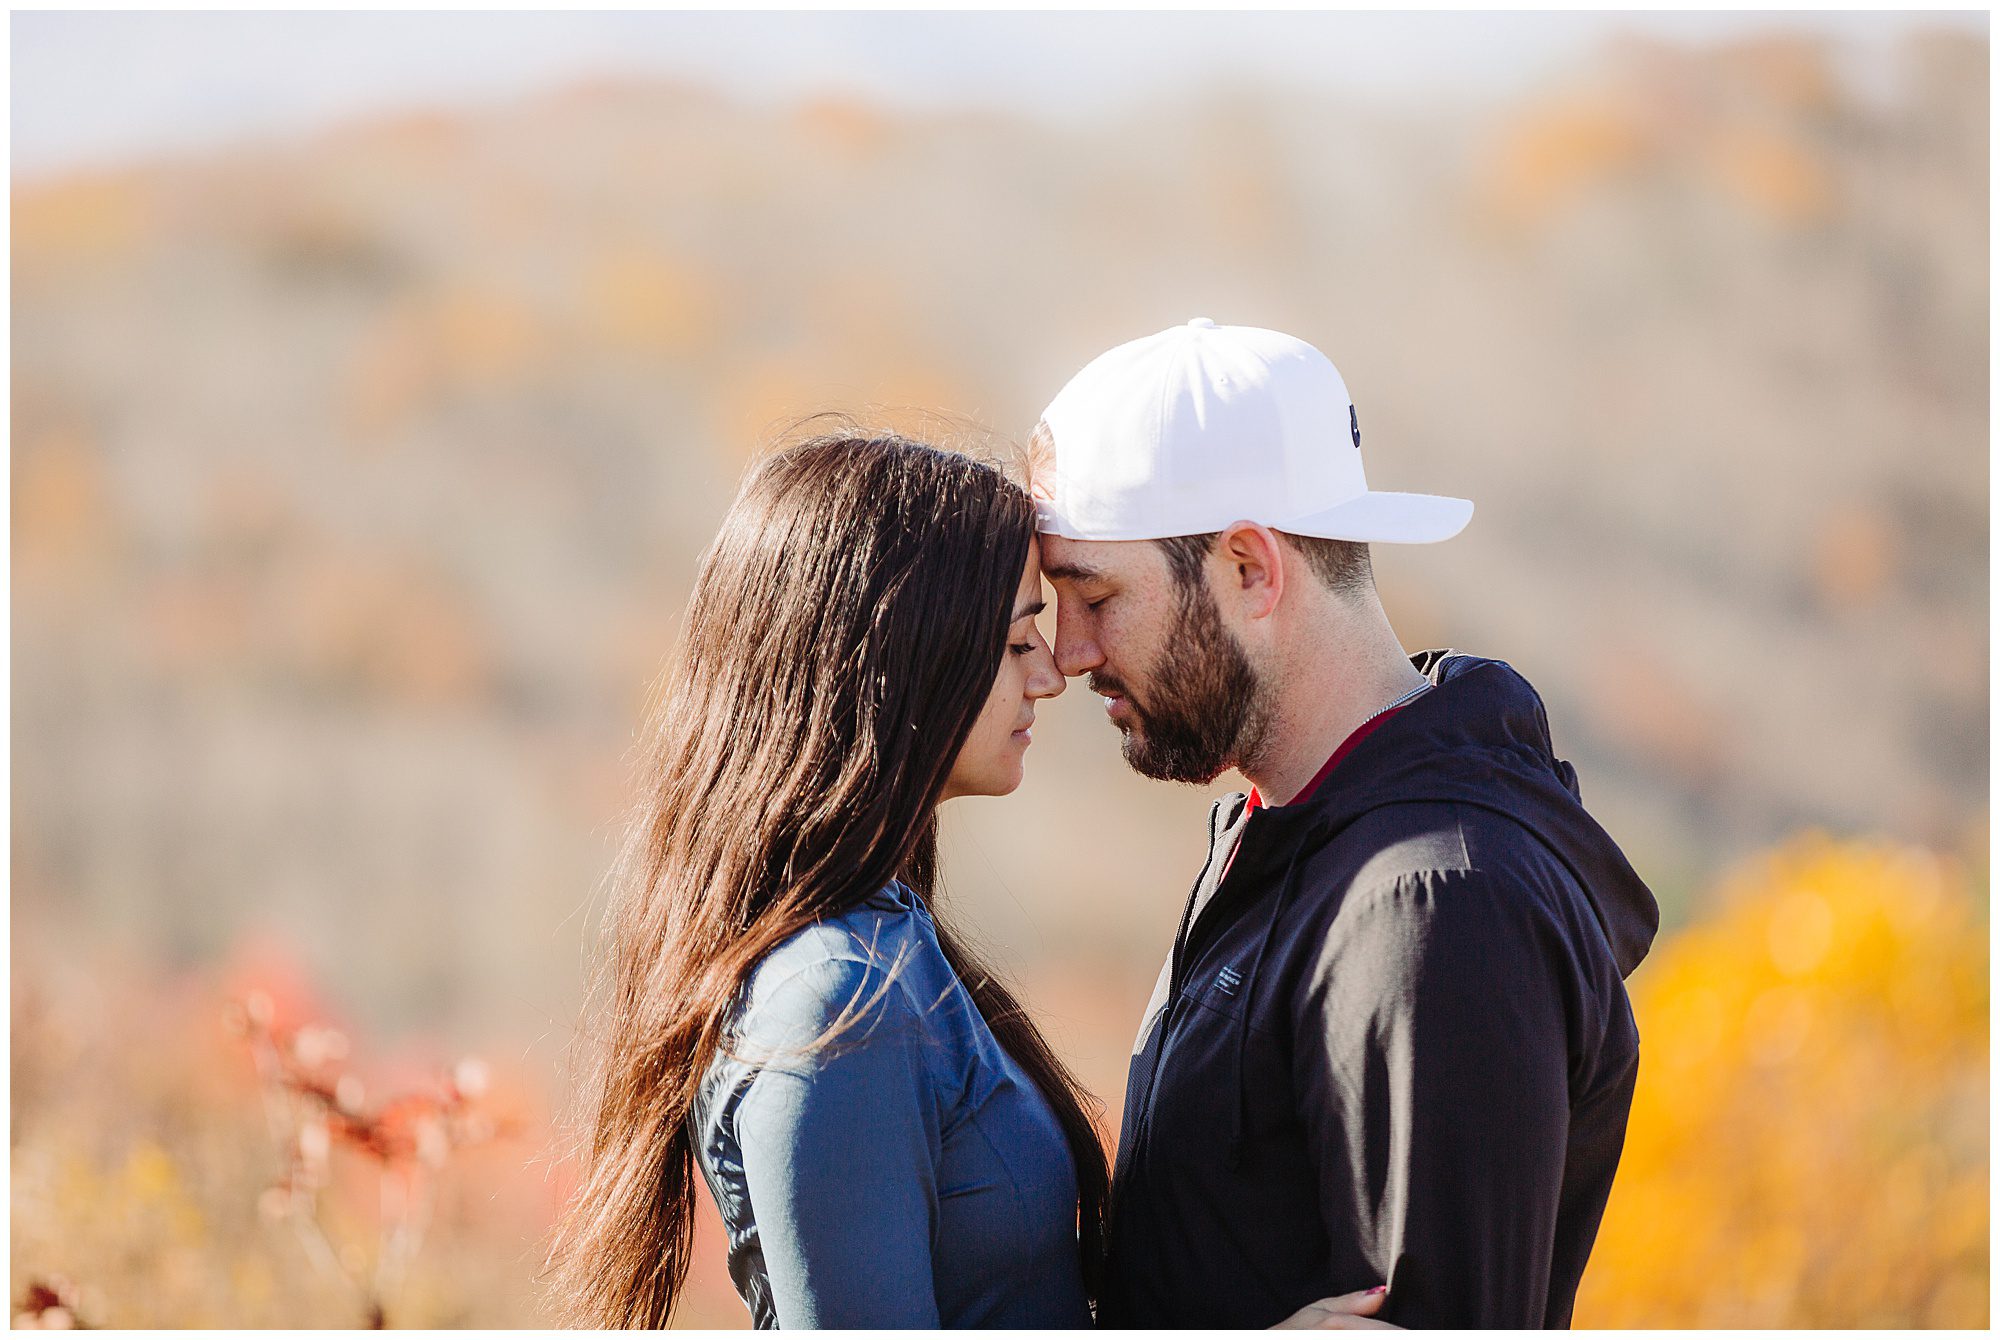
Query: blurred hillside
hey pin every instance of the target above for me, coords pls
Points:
(357, 484)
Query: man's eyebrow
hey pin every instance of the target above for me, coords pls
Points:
(1030, 611)
(1071, 572)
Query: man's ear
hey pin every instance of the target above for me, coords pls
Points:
(1254, 559)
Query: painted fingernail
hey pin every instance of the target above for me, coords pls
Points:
(1380, 1288)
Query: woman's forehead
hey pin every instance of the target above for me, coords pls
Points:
(1030, 590)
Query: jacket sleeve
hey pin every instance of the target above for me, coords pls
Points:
(1431, 1068)
(840, 1149)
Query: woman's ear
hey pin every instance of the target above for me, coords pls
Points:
(1255, 560)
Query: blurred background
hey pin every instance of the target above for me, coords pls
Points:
(378, 378)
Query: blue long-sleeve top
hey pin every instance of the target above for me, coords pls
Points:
(905, 1173)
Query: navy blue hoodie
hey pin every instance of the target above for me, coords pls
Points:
(1392, 1044)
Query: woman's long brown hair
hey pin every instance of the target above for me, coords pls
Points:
(844, 631)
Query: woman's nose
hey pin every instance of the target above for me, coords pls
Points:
(1044, 680)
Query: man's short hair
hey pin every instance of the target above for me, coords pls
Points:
(1341, 564)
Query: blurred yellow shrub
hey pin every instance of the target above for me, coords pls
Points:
(1808, 1145)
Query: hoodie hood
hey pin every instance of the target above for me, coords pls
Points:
(1490, 724)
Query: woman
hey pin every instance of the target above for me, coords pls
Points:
(888, 1136)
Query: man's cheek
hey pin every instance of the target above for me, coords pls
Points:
(1116, 643)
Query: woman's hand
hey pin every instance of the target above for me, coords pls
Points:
(1349, 1312)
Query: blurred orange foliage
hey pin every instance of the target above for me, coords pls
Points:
(854, 129)
(1552, 155)
(1776, 176)
(644, 300)
(1745, 127)
(367, 620)
(1652, 708)
(148, 1191)
(85, 220)
(1854, 564)
(63, 515)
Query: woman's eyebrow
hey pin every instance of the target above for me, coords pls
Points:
(1030, 611)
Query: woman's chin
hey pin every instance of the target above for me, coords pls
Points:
(1001, 783)
(1001, 776)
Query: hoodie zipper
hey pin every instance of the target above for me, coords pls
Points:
(1176, 965)
(1175, 979)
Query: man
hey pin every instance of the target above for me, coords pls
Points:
(1392, 1042)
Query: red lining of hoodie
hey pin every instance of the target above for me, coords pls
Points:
(1361, 732)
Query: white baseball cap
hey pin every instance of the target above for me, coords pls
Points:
(1186, 431)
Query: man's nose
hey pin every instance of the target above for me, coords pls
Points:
(1076, 650)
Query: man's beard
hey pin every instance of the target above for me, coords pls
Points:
(1203, 709)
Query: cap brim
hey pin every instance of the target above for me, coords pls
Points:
(1385, 518)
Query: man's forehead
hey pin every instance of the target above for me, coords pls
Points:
(1065, 559)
